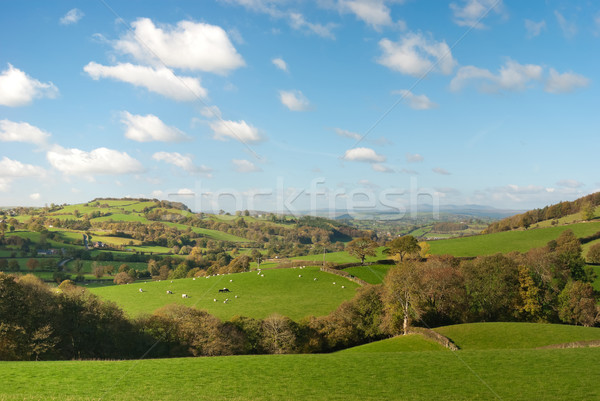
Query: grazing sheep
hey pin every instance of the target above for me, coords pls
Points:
(184, 296)
(171, 280)
(169, 292)
(224, 302)
(215, 300)
(334, 283)
(236, 296)
(194, 279)
(343, 286)
(231, 281)
(315, 279)
(262, 275)
(140, 290)
(299, 275)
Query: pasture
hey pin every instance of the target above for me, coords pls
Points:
(508, 241)
(566, 374)
(342, 257)
(259, 295)
(372, 274)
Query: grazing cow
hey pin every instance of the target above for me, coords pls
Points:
(169, 292)
(184, 296)
(141, 290)
(224, 290)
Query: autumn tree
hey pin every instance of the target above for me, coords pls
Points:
(587, 211)
(403, 288)
(593, 254)
(123, 278)
(361, 248)
(32, 264)
(98, 271)
(577, 304)
(401, 247)
(278, 335)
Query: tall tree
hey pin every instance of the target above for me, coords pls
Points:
(361, 248)
(403, 246)
(403, 289)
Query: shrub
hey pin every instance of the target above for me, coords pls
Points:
(593, 254)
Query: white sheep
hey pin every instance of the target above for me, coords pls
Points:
(215, 300)
(236, 296)
(315, 279)
(169, 292)
(194, 279)
(231, 281)
(141, 290)
(262, 275)
(299, 275)
(334, 283)
(184, 296)
(343, 286)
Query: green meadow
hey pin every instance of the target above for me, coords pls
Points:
(259, 295)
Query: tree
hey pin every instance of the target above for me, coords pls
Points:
(593, 254)
(98, 271)
(13, 266)
(278, 335)
(577, 304)
(123, 278)
(32, 264)
(403, 288)
(402, 246)
(361, 248)
(424, 252)
(3, 265)
(530, 295)
(587, 211)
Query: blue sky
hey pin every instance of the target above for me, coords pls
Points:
(300, 104)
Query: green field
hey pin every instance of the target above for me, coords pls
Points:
(508, 241)
(484, 336)
(280, 291)
(372, 274)
(568, 374)
(213, 234)
(342, 257)
(408, 343)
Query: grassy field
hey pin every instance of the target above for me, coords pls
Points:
(87, 265)
(213, 234)
(484, 336)
(408, 343)
(568, 374)
(280, 291)
(342, 257)
(372, 274)
(508, 241)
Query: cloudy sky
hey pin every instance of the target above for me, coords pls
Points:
(310, 103)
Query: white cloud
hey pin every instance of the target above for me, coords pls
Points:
(363, 155)
(11, 131)
(239, 130)
(415, 102)
(373, 12)
(569, 28)
(472, 12)
(211, 112)
(348, 134)
(188, 45)
(15, 169)
(72, 17)
(569, 183)
(534, 28)
(161, 80)
(414, 158)
(35, 196)
(182, 161)
(416, 55)
(157, 193)
(245, 166)
(381, 168)
(512, 76)
(566, 82)
(19, 89)
(294, 100)
(280, 63)
(441, 171)
(185, 191)
(150, 128)
(298, 22)
(98, 161)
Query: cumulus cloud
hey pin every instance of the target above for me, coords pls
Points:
(363, 155)
(373, 12)
(160, 80)
(150, 128)
(569, 28)
(14, 169)
(182, 161)
(245, 166)
(415, 102)
(11, 131)
(98, 161)
(441, 171)
(19, 89)
(348, 134)
(566, 82)
(471, 12)
(294, 100)
(381, 168)
(35, 196)
(414, 158)
(72, 17)
(188, 45)
(280, 63)
(298, 22)
(238, 130)
(416, 55)
(569, 183)
(512, 76)
(534, 28)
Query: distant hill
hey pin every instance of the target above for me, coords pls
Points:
(581, 209)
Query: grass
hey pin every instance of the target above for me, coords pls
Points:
(342, 257)
(408, 343)
(373, 274)
(508, 241)
(87, 265)
(280, 291)
(213, 234)
(484, 336)
(567, 374)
